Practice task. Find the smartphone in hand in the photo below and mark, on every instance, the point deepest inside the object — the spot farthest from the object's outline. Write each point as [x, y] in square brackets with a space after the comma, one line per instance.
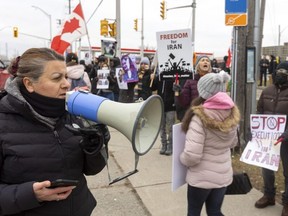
[63, 183]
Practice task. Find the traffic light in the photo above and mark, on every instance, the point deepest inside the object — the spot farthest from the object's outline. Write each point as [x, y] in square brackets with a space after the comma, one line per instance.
[113, 31]
[104, 27]
[136, 24]
[163, 10]
[15, 32]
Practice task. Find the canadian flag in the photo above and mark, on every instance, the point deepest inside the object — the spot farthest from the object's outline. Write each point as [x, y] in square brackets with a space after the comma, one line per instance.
[73, 29]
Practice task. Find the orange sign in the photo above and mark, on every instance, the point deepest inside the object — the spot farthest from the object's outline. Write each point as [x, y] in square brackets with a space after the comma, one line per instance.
[236, 19]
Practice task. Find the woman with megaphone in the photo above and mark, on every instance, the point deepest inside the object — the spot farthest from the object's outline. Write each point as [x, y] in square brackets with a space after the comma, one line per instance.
[45, 151]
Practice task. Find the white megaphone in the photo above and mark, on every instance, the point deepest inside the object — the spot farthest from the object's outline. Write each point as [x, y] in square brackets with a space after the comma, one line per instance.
[140, 122]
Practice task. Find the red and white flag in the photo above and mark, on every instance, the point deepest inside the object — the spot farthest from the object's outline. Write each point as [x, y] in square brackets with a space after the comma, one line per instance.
[73, 29]
[229, 59]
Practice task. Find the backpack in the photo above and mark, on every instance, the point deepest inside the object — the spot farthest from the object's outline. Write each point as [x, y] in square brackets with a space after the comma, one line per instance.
[76, 83]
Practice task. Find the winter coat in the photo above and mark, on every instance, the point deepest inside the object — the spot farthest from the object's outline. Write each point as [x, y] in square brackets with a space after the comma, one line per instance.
[127, 95]
[35, 148]
[77, 72]
[212, 132]
[188, 93]
[165, 91]
[273, 100]
[142, 88]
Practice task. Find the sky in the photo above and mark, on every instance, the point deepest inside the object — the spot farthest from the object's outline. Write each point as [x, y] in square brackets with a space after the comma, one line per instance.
[211, 33]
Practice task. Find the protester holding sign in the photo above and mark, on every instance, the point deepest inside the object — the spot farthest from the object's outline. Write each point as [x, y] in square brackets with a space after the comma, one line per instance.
[274, 100]
[210, 125]
[189, 90]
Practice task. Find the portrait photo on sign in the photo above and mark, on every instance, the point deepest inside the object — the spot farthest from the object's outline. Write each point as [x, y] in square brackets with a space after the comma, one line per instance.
[108, 48]
[103, 82]
[129, 66]
[120, 79]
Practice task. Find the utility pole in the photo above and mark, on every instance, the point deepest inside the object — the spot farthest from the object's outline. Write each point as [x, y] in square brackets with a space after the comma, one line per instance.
[142, 32]
[118, 28]
[251, 36]
[193, 26]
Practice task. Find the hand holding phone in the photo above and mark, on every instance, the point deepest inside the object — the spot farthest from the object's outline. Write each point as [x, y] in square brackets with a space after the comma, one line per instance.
[63, 183]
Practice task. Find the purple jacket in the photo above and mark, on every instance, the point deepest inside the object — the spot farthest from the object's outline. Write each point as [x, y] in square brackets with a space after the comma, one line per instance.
[189, 92]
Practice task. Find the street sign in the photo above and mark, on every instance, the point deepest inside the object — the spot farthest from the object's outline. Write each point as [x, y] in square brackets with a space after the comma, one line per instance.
[236, 19]
[235, 6]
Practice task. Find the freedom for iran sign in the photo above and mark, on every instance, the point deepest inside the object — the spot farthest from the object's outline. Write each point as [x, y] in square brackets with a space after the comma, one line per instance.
[174, 52]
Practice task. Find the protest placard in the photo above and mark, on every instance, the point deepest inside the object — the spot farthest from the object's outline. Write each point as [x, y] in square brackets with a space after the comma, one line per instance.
[261, 150]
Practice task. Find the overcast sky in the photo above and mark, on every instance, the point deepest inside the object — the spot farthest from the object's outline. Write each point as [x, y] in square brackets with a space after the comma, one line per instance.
[211, 34]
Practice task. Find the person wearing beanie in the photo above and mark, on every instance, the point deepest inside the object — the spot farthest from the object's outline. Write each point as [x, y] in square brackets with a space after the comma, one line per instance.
[212, 83]
[145, 61]
[76, 75]
[142, 88]
[210, 125]
[274, 101]
[187, 89]
[71, 57]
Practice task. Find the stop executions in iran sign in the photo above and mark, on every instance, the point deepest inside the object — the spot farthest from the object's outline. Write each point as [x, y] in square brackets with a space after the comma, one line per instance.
[174, 50]
[261, 151]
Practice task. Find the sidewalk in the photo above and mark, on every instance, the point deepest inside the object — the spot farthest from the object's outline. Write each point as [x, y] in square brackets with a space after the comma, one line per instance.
[153, 185]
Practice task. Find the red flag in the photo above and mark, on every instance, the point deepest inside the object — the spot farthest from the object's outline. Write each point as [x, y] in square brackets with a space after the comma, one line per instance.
[228, 63]
[73, 29]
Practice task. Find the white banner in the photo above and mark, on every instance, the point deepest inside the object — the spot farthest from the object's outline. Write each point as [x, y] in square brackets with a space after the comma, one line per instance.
[261, 150]
[174, 51]
[178, 169]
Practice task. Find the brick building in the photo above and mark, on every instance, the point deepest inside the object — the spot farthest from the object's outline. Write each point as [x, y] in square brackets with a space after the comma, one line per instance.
[281, 51]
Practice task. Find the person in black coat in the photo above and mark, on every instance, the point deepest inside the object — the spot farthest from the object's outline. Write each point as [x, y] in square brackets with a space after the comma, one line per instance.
[264, 65]
[165, 91]
[38, 143]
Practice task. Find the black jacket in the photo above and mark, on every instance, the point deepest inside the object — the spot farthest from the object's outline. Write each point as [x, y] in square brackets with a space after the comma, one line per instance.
[31, 151]
[165, 91]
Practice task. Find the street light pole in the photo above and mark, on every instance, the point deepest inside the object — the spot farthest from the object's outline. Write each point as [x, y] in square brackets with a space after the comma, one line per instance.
[193, 25]
[142, 32]
[279, 34]
[49, 16]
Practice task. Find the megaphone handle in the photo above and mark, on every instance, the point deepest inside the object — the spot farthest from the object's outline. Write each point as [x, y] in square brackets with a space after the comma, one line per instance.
[136, 161]
[127, 174]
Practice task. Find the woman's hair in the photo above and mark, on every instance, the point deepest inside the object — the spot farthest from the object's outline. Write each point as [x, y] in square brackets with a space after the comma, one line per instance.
[197, 67]
[33, 61]
[13, 66]
[189, 113]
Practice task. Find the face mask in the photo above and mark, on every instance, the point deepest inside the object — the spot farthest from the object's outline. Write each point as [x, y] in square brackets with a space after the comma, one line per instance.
[104, 68]
[280, 79]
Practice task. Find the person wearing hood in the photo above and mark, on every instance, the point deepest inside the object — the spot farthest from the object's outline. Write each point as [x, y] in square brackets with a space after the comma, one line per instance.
[76, 71]
[187, 89]
[210, 125]
[142, 88]
[274, 101]
[41, 142]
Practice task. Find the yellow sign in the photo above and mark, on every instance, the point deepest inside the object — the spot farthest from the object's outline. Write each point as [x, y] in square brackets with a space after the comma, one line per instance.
[236, 19]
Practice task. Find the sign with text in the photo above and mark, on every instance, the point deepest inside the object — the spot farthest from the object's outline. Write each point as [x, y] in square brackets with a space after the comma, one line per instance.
[174, 50]
[261, 151]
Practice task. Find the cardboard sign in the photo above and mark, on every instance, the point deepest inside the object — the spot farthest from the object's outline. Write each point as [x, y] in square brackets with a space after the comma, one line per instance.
[261, 151]
[174, 50]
